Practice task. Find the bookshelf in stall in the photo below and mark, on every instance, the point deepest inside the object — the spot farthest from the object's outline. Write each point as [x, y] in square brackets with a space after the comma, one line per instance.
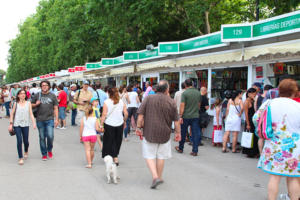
[228, 79]
[286, 70]
[173, 80]
[202, 78]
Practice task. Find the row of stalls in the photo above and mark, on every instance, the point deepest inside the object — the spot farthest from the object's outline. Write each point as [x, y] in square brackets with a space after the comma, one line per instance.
[228, 68]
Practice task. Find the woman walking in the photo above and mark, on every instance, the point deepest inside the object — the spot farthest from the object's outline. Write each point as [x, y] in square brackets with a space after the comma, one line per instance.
[19, 121]
[133, 102]
[7, 100]
[113, 117]
[281, 154]
[249, 126]
[233, 120]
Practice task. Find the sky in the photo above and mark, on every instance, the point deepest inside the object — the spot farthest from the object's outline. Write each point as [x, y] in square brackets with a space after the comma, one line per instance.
[12, 13]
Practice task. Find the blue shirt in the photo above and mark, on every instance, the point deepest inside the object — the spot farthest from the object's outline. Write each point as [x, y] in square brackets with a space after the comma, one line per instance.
[151, 92]
[102, 97]
[66, 90]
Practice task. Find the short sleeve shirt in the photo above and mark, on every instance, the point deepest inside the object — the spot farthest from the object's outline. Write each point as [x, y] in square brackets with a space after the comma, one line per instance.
[63, 99]
[84, 96]
[191, 98]
[159, 111]
[45, 111]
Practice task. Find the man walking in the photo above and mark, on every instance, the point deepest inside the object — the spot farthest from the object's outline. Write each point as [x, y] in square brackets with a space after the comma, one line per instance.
[189, 116]
[47, 109]
[100, 95]
[62, 99]
[82, 98]
[156, 114]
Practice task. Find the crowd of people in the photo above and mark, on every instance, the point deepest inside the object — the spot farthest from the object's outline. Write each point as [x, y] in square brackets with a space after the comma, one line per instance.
[106, 116]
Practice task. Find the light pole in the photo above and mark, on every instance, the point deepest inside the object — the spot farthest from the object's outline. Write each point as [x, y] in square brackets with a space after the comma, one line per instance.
[257, 10]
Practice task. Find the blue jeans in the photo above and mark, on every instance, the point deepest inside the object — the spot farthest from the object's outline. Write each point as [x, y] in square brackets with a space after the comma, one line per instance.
[131, 112]
[73, 117]
[196, 133]
[6, 104]
[46, 131]
[22, 136]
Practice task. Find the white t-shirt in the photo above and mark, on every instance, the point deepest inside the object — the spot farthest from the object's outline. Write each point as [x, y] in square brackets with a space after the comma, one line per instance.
[132, 97]
[114, 115]
[6, 99]
[89, 126]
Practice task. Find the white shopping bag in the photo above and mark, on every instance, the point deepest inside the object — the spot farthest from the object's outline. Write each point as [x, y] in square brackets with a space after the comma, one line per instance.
[247, 140]
[218, 136]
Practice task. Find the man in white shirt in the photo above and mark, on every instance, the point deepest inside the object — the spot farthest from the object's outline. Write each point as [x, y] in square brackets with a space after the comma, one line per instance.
[34, 90]
[177, 96]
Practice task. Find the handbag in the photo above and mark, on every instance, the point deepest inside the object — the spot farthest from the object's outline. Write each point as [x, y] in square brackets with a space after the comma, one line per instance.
[203, 120]
[247, 140]
[218, 136]
[12, 132]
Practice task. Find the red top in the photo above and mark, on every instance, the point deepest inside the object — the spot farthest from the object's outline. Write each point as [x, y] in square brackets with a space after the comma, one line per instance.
[297, 99]
[63, 99]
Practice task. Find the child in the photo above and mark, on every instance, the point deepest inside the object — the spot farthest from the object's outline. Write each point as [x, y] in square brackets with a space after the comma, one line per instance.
[217, 119]
[88, 134]
[96, 113]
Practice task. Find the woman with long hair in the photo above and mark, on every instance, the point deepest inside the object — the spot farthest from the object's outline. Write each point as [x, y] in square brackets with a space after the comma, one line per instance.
[280, 156]
[233, 120]
[113, 121]
[20, 121]
[249, 126]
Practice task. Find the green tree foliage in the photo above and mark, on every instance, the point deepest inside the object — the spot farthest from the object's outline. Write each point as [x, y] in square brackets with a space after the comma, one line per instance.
[63, 34]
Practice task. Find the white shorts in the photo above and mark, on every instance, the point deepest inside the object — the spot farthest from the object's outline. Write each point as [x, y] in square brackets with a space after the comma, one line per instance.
[156, 151]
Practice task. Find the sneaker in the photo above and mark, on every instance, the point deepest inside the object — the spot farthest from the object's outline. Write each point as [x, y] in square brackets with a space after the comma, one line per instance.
[50, 155]
[63, 128]
[44, 158]
[58, 127]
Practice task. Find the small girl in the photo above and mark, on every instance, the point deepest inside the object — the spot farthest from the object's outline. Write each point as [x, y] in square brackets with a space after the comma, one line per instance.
[217, 119]
[96, 113]
[88, 134]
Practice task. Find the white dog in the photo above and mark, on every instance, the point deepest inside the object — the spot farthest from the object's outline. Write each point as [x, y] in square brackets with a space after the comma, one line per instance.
[111, 170]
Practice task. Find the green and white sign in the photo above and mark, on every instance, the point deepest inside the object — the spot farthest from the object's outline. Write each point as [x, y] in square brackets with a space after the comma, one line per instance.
[236, 32]
[203, 42]
[283, 24]
[131, 56]
[92, 65]
[118, 60]
[107, 61]
[146, 54]
[168, 47]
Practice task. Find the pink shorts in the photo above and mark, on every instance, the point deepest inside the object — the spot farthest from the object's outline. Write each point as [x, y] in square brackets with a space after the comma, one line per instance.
[91, 138]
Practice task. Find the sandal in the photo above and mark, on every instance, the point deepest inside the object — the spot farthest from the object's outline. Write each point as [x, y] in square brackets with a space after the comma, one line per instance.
[236, 151]
[25, 156]
[21, 161]
[89, 166]
[225, 151]
[178, 150]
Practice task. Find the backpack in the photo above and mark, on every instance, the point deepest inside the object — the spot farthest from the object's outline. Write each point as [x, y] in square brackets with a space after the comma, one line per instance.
[35, 109]
[262, 120]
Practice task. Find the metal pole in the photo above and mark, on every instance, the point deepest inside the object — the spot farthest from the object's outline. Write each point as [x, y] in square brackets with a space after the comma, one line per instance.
[257, 10]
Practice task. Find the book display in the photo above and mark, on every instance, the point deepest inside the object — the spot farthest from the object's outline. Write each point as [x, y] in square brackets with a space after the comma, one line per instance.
[228, 79]
[173, 79]
[134, 79]
[285, 70]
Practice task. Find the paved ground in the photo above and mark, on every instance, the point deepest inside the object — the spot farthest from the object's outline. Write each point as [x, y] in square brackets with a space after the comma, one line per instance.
[211, 175]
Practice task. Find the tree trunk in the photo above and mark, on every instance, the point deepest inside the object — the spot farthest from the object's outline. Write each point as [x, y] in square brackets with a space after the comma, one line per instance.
[207, 22]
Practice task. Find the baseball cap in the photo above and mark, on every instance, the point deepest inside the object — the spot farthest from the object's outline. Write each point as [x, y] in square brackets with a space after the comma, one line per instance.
[93, 99]
[73, 85]
[86, 83]
[257, 84]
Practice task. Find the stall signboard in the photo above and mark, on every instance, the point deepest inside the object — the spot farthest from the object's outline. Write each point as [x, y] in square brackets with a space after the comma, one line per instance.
[131, 56]
[47, 75]
[92, 65]
[107, 61]
[71, 70]
[236, 32]
[80, 68]
[168, 47]
[52, 75]
[200, 43]
[283, 24]
[118, 60]
[259, 72]
[146, 54]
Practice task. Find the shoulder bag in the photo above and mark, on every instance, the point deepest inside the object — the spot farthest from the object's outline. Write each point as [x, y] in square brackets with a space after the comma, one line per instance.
[12, 132]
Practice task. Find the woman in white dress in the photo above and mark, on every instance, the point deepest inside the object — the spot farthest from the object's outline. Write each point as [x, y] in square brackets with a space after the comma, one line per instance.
[233, 120]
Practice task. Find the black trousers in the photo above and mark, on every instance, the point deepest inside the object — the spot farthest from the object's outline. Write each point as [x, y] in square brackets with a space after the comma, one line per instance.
[112, 140]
